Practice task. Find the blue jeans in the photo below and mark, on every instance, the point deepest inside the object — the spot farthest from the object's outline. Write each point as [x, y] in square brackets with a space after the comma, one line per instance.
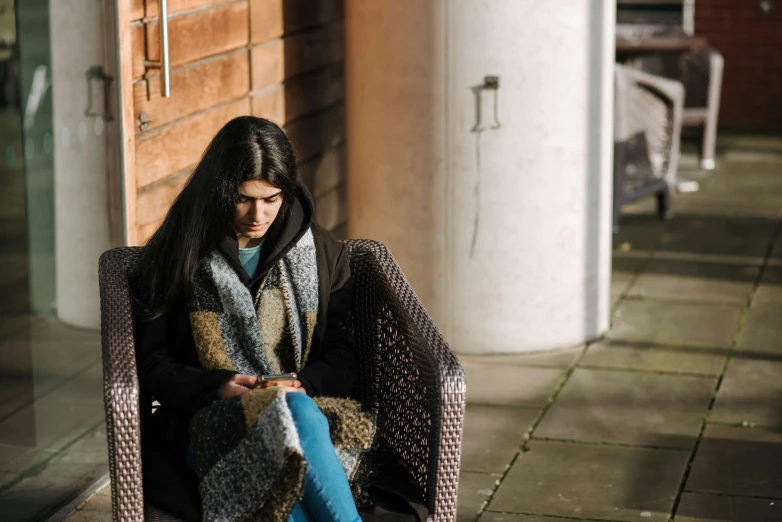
[327, 495]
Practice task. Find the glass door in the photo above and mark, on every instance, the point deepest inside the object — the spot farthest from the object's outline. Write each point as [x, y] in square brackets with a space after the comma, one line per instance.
[59, 182]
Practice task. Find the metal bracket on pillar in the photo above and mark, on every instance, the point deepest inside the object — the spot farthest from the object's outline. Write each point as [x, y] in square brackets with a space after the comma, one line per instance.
[490, 83]
[96, 72]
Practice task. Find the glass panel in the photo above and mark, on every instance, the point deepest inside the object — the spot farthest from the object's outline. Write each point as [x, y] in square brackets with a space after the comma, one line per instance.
[57, 140]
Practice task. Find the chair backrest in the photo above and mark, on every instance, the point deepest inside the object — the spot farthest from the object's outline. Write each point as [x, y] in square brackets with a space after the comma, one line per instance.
[407, 374]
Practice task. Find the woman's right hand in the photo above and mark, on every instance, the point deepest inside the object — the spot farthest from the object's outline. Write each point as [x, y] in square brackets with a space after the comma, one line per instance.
[237, 385]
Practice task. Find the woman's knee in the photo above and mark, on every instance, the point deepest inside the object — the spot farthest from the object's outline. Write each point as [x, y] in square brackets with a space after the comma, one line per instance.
[304, 409]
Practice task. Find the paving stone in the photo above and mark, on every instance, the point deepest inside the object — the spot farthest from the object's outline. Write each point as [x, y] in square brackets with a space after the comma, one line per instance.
[510, 517]
[618, 287]
[639, 228]
[15, 324]
[725, 206]
[669, 322]
[774, 261]
[650, 357]
[474, 488]
[718, 234]
[15, 459]
[592, 481]
[738, 461]
[690, 281]
[73, 408]
[628, 407]
[761, 331]
[492, 384]
[713, 244]
[492, 434]
[623, 270]
[88, 516]
[694, 257]
[42, 491]
[561, 358]
[695, 507]
[100, 501]
[750, 392]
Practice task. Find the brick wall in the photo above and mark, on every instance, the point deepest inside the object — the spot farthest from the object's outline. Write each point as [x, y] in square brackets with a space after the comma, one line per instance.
[278, 59]
[751, 42]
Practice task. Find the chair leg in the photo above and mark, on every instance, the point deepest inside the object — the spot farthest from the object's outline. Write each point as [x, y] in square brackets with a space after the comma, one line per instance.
[664, 207]
[709, 143]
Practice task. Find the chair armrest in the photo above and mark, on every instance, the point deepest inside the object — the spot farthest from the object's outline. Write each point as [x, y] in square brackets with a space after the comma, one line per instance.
[654, 105]
[418, 385]
[120, 385]
[672, 90]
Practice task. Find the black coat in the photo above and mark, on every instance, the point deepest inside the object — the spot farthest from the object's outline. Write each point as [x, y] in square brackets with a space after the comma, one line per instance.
[169, 370]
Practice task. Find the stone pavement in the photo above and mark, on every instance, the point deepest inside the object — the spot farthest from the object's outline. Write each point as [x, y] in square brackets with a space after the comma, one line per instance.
[677, 413]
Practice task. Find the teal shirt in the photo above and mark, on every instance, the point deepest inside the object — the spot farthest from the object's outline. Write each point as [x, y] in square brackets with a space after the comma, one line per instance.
[249, 258]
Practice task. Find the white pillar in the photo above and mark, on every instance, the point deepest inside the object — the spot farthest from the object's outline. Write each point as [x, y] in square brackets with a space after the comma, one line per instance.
[503, 232]
[81, 159]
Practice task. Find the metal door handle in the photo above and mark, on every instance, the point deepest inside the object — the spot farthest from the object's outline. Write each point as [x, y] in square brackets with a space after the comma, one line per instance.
[163, 64]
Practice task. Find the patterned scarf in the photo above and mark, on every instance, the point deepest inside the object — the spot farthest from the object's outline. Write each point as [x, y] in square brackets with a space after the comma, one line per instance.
[248, 456]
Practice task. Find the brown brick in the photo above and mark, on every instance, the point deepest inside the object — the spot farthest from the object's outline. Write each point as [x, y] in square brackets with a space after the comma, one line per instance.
[331, 208]
[314, 91]
[752, 77]
[270, 19]
[266, 20]
[325, 172]
[180, 145]
[301, 95]
[268, 64]
[136, 9]
[176, 6]
[193, 89]
[201, 34]
[144, 232]
[314, 134]
[153, 204]
[138, 45]
[270, 104]
[280, 59]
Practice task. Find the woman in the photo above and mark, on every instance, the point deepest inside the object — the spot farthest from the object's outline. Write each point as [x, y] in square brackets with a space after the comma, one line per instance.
[238, 282]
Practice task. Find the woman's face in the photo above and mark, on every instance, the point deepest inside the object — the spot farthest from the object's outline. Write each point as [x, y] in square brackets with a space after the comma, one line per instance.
[259, 203]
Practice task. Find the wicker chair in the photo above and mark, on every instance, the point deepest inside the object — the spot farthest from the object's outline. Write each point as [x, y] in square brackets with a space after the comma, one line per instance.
[647, 132]
[408, 374]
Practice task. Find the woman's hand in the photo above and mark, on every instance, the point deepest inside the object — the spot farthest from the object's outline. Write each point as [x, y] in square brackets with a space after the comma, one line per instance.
[290, 386]
[238, 385]
[297, 387]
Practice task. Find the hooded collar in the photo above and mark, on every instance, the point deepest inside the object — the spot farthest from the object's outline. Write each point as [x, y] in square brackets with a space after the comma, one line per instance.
[289, 226]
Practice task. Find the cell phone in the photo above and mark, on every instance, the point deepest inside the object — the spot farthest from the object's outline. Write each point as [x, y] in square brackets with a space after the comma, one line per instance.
[277, 380]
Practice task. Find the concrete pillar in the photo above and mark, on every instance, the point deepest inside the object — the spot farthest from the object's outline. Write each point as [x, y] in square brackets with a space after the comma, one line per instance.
[496, 203]
[81, 158]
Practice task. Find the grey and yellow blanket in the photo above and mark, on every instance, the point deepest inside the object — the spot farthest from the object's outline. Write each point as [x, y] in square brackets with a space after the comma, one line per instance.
[248, 457]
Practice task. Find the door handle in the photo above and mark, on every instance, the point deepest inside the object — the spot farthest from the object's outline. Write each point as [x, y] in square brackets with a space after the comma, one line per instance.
[163, 64]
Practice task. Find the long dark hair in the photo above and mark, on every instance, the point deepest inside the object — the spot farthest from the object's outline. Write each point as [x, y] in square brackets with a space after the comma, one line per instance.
[246, 148]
